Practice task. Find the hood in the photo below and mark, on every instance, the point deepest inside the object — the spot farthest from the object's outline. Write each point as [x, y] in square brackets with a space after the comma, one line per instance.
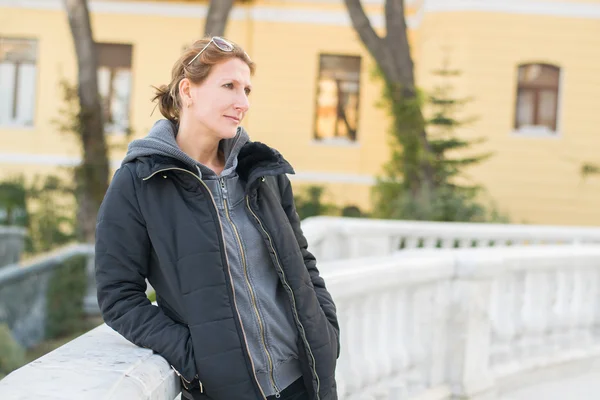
[161, 142]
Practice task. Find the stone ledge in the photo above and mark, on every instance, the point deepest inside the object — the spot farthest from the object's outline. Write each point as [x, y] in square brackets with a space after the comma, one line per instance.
[100, 364]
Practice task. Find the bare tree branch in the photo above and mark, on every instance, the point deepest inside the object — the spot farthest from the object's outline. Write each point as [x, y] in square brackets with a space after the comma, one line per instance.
[397, 39]
[392, 55]
[375, 45]
[216, 20]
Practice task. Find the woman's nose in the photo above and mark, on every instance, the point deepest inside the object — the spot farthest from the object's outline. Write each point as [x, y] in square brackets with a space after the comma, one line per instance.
[242, 103]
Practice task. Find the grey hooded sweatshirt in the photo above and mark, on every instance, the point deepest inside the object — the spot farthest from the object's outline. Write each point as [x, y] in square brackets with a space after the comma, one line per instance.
[263, 305]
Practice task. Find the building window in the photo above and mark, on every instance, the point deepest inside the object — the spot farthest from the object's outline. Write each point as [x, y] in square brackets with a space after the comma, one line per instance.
[17, 81]
[537, 97]
[338, 92]
[114, 85]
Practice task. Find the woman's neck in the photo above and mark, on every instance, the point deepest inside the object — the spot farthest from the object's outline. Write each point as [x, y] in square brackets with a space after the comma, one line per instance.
[203, 148]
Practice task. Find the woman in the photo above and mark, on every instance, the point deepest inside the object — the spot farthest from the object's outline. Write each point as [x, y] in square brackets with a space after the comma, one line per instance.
[208, 217]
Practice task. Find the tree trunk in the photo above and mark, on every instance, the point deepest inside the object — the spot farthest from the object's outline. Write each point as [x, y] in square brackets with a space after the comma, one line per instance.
[392, 55]
[93, 173]
[216, 20]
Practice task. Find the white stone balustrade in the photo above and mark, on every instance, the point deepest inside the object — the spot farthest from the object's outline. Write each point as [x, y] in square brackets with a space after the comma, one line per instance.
[429, 324]
[476, 323]
[24, 288]
[392, 315]
[334, 238]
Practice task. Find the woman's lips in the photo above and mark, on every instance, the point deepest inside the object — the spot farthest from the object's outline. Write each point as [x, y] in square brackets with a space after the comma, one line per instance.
[236, 120]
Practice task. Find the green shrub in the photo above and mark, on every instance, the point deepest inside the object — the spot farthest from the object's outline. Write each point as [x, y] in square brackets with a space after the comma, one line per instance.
[12, 355]
[66, 290]
[310, 202]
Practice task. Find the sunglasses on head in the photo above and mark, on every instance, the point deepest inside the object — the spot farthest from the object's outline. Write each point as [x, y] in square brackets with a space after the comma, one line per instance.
[221, 44]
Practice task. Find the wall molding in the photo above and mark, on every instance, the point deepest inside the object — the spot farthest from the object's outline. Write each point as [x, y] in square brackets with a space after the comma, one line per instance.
[52, 160]
[184, 10]
[523, 7]
[324, 17]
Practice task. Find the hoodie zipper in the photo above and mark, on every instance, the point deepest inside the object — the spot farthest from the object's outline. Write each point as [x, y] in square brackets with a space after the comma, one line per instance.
[249, 285]
[290, 291]
[227, 262]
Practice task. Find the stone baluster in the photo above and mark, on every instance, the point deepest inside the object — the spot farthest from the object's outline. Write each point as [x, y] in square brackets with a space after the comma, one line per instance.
[574, 308]
[553, 321]
[411, 242]
[90, 301]
[465, 243]
[439, 340]
[518, 294]
[561, 309]
[430, 242]
[549, 297]
[503, 319]
[448, 242]
[469, 332]
[588, 304]
[482, 242]
[580, 298]
[343, 368]
[595, 308]
[371, 325]
[384, 337]
[350, 362]
[395, 242]
[534, 311]
[420, 338]
[400, 316]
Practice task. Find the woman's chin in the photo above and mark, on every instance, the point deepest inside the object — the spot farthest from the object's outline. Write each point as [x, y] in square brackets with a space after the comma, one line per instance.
[228, 133]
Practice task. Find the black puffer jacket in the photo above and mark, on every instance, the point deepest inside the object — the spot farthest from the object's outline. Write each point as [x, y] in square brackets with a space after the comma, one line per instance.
[158, 221]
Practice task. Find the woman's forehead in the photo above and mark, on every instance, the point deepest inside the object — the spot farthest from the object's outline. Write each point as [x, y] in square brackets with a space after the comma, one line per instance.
[232, 69]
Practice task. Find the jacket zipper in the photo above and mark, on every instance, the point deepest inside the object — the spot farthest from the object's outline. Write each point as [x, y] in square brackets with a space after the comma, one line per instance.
[291, 292]
[227, 261]
[186, 381]
[252, 295]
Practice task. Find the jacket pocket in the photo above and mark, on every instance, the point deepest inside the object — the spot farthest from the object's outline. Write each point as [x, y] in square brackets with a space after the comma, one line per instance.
[170, 312]
[193, 394]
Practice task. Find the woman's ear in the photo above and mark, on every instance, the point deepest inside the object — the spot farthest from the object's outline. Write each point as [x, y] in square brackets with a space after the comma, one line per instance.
[185, 92]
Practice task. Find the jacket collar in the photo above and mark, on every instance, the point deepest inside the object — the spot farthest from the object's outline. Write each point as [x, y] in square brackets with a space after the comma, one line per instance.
[255, 159]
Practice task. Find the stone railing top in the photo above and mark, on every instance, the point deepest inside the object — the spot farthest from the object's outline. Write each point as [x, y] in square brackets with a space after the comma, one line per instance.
[98, 365]
[414, 267]
[335, 238]
[13, 230]
[351, 277]
[318, 227]
[47, 260]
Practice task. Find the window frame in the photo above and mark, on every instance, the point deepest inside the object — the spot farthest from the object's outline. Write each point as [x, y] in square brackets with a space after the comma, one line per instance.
[113, 69]
[336, 141]
[538, 130]
[14, 123]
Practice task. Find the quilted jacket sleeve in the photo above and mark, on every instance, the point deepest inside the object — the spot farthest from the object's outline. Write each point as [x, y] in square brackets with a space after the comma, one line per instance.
[122, 254]
[325, 299]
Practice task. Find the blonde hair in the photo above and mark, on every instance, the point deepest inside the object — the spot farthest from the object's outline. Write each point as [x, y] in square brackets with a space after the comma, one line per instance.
[167, 96]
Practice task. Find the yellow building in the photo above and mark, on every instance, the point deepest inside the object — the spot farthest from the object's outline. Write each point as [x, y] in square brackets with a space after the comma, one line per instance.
[530, 65]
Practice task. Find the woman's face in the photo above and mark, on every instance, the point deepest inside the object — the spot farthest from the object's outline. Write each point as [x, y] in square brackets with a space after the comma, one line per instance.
[219, 104]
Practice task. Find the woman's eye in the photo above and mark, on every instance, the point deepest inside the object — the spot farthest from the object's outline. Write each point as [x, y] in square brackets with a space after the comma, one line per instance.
[247, 91]
[228, 85]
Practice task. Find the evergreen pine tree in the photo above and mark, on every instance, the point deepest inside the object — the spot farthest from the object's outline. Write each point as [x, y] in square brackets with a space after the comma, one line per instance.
[449, 199]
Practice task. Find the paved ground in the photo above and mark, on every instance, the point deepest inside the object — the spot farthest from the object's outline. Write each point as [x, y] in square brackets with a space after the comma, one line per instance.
[583, 387]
